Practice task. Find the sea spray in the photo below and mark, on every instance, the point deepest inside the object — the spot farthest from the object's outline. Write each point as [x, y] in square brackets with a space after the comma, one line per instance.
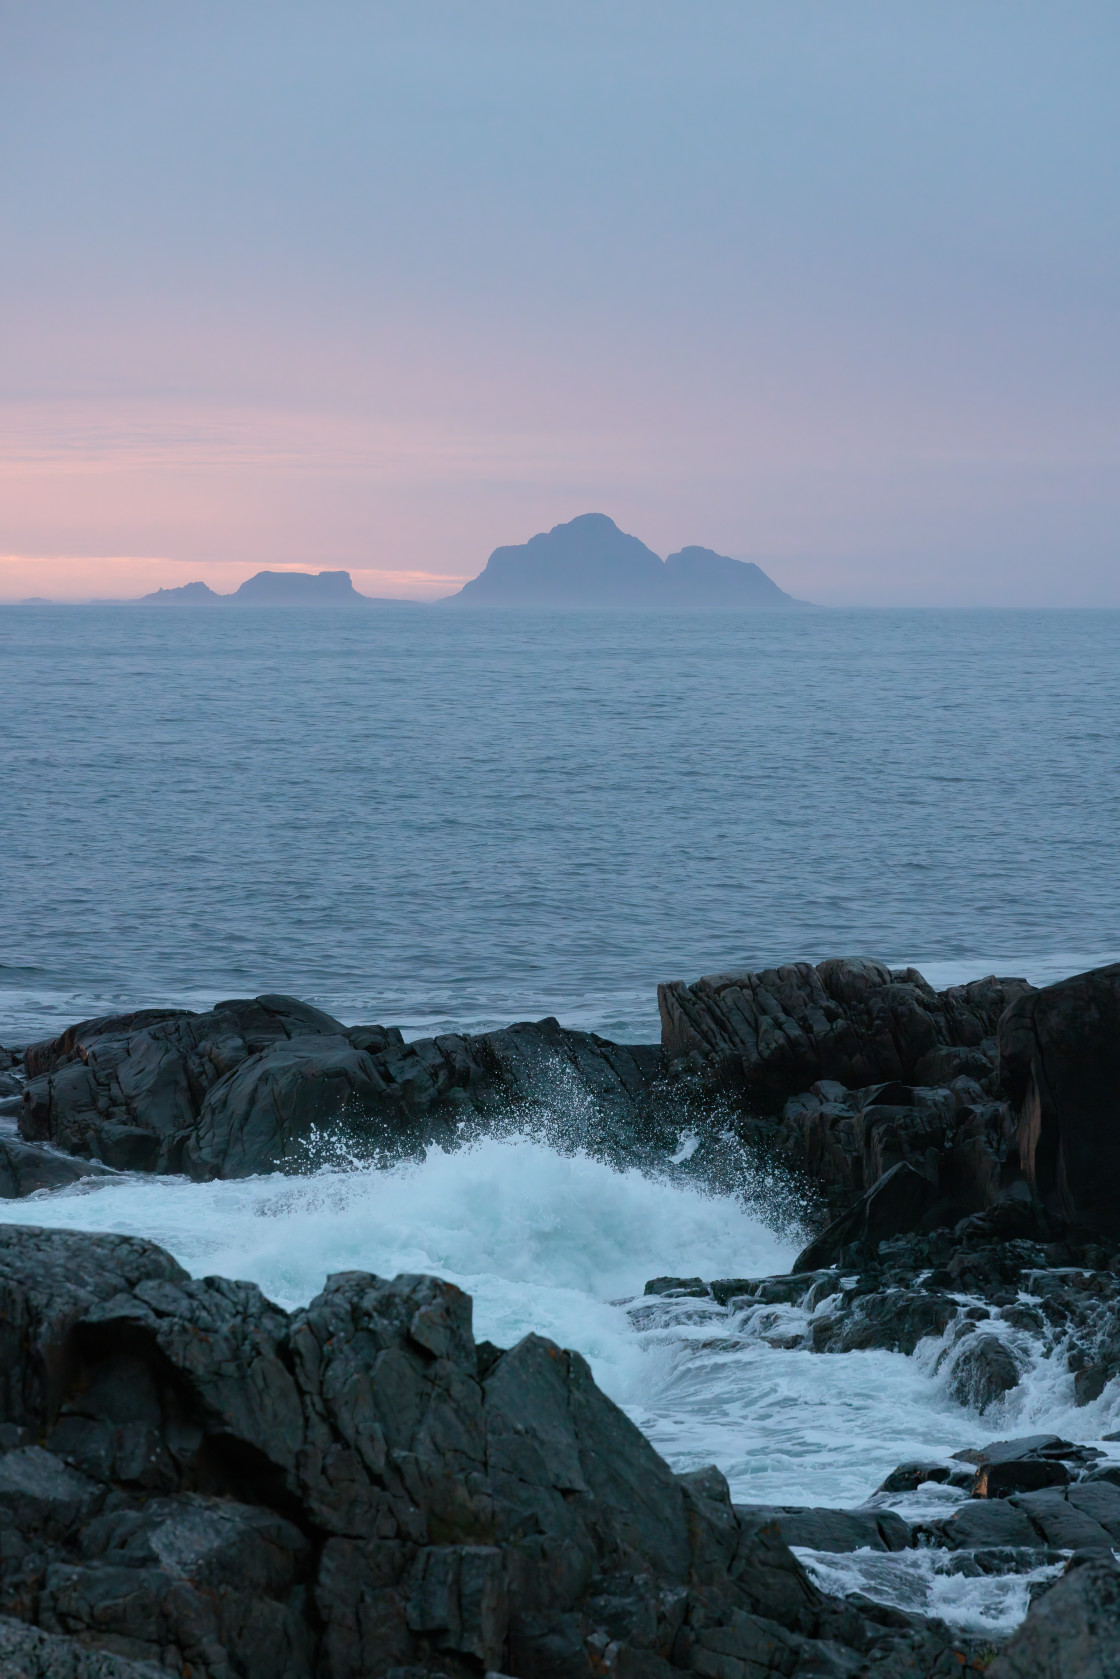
[557, 1242]
[544, 1240]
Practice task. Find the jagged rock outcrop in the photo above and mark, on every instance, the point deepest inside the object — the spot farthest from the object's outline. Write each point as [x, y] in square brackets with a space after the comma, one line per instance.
[191, 1477]
[780, 1058]
[779, 1031]
[252, 1084]
[958, 1137]
[1059, 1057]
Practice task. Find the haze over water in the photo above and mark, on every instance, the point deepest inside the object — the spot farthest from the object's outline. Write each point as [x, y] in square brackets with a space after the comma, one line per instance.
[439, 819]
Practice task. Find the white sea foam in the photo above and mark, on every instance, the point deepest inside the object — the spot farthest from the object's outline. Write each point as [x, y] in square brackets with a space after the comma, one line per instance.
[562, 1244]
[924, 1582]
[546, 1241]
[542, 1240]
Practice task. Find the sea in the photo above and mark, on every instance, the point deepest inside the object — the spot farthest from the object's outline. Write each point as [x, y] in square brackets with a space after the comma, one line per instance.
[441, 819]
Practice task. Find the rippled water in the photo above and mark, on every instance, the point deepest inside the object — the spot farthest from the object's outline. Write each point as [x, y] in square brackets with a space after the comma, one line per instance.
[461, 819]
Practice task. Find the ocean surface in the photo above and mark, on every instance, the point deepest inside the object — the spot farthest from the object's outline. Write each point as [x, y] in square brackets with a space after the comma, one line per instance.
[435, 820]
[445, 818]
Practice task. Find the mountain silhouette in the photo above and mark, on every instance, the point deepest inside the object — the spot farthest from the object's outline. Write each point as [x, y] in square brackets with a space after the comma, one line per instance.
[589, 562]
[298, 588]
[187, 594]
[271, 588]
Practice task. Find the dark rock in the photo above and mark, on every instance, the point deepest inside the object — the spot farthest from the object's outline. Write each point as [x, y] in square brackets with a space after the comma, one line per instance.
[1099, 1500]
[1050, 1447]
[25, 1168]
[836, 1530]
[982, 1372]
[768, 1291]
[892, 1322]
[1013, 1218]
[780, 1030]
[984, 1525]
[908, 1477]
[999, 1480]
[676, 1285]
[192, 1477]
[1059, 1056]
[891, 1207]
[846, 1140]
[1023, 1317]
[1062, 1524]
[1073, 1631]
[29, 1653]
[258, 1085]
[1091, 1380]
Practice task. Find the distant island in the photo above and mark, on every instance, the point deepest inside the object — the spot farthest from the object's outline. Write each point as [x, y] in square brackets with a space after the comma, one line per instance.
[271, 588]
[586, 563]
[589, 562]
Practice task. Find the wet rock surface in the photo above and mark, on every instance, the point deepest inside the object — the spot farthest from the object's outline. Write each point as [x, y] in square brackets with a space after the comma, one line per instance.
[1073, 1632]
[193, 1479]
[256, 1085]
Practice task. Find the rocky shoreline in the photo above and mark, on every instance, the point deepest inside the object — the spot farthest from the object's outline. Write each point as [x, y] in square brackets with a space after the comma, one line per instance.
[194, 1481]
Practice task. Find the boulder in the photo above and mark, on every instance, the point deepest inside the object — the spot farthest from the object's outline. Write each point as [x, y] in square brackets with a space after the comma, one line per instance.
[777, 1031]
[192, 1478]
[1000, 1480]
[1063, 1525]
[908, 1477]
[1099, 1500]
[893, 1206]
[271, 1083]
[1059, 1060]
[837, 1530]
[983, 1370]
[26, 1167]
[984, 1525]
[1072, 1631]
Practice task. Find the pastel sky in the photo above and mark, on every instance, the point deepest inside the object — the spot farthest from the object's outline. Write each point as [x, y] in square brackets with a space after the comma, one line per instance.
[829, 284]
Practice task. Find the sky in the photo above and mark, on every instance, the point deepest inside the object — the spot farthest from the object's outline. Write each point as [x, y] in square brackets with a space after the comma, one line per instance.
[833, 285]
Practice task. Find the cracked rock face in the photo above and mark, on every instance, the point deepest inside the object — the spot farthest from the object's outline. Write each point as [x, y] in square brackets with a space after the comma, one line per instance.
[195, 1481]
[780, 1030]
[1059, 1053]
